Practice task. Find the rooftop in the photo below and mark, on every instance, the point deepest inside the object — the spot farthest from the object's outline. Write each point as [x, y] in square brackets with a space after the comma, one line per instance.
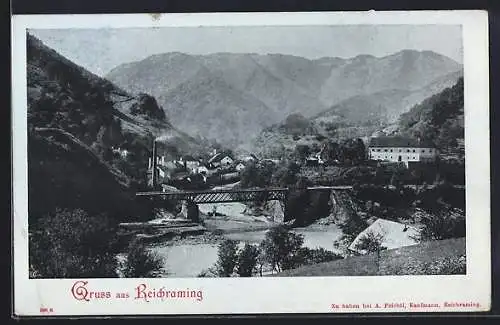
[394, 234]
[398, 141]
[218, 157]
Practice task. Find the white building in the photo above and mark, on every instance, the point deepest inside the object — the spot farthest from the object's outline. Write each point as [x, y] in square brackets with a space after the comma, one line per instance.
[201, 170]
[250, 158]
[188, 162]
[122, 152]
[221, 160]
[400, 149]
[240, 166]
[161, 172]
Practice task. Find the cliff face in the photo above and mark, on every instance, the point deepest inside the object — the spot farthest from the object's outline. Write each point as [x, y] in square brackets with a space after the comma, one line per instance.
[342, 207]
[276, 210]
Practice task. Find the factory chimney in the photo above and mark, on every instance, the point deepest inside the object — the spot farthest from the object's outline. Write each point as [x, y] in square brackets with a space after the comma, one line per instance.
[155, 163]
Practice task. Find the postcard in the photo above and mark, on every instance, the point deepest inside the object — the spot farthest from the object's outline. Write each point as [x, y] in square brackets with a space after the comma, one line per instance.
[251, 163]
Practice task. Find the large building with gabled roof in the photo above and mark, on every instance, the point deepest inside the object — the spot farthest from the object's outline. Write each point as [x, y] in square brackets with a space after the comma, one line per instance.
[401, 149]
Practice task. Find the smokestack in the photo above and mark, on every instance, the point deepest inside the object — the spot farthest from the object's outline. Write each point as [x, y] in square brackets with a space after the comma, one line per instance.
[155, 162]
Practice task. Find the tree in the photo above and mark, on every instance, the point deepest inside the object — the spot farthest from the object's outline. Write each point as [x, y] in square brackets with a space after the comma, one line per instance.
[352, 150]
[247, 260]
[372, 243]
[140, 262]
[227, 258]
[280, 246]
[302, 151]
[442, 225]
[261, 259]
[256, 175]
[332, 151]
[286, 176]
[73, 244]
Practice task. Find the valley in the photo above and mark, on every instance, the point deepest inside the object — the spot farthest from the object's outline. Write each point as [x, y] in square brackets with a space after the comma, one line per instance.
[177, 122]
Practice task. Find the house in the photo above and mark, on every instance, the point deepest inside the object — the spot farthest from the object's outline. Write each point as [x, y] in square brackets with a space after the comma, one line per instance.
[171, 165]
[162, 171]
[160, 160]
[240, 166]
[221, 160]
[401, 149]
[188, 162]
[312, 161]
[250, 158]
[272, 161]
[168, 188]
[201, 169]
[392, 235]
[122, 152]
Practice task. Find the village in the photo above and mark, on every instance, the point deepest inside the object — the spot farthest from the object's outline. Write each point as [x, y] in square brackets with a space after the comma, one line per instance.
[229, 156]
[224, 167]
[223, 170]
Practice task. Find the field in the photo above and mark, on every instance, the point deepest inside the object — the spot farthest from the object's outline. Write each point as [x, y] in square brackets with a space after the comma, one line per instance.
[407, 260]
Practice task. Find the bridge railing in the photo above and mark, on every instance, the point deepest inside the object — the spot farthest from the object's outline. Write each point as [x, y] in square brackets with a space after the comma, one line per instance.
[254, 190]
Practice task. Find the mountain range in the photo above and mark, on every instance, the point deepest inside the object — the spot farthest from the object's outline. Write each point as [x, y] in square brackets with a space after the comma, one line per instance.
[232, 97]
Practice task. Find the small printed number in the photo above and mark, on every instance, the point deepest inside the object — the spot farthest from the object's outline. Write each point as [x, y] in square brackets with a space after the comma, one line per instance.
[46, 310]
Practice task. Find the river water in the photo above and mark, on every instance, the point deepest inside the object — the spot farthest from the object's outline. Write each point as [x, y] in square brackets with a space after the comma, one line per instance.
[190, 259]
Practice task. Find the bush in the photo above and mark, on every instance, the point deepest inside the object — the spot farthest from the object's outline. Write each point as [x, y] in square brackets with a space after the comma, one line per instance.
[446, 266]
[227, 258]
[443, 266]
[141, 263]
[371, 243]
[285, 176]
[208, 273]
[247, 260]
[320, 255]
[72, 244]
[308, 256]
[280, 246]
[443, 225]
[256, 175]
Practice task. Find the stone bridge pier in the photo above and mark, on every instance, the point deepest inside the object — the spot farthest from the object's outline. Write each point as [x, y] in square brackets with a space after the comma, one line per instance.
[190, 211]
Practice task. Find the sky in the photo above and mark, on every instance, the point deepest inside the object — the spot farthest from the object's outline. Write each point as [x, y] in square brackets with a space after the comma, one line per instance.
[100, 50]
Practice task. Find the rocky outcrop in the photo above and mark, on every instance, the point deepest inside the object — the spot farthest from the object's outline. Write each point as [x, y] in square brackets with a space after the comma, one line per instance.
[343, 207]
[275, 210]
[148, 106]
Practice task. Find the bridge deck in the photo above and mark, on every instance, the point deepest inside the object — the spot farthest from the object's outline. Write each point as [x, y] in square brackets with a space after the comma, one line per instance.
[232, 195]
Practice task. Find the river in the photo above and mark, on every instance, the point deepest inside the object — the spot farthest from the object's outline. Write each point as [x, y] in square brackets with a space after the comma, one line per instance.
[189, 259]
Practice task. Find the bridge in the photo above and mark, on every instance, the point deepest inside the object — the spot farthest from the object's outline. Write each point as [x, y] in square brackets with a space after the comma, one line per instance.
[193, 198]
[221, 196]
[232, 195]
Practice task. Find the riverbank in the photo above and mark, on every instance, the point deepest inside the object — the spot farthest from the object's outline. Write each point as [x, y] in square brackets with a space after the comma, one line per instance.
[190, 255]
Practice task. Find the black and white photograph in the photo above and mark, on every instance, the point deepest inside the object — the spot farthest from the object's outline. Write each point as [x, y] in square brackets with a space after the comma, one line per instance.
[263, 151]
[236, 151]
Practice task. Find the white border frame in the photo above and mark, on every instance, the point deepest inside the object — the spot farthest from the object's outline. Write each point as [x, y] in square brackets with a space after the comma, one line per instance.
[272, 295]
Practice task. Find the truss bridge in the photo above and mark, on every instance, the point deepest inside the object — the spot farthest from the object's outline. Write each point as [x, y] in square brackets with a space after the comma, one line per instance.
[221, 196]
